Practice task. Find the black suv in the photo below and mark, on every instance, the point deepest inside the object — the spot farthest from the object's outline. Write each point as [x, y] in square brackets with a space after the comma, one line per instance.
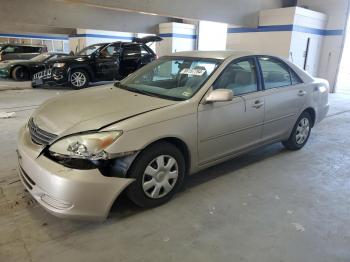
[99, 62]
[20, 51]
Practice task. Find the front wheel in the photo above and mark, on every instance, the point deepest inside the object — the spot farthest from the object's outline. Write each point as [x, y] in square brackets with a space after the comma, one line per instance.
[300, 134]
[20, 73]
[79, 79]
[158, 172]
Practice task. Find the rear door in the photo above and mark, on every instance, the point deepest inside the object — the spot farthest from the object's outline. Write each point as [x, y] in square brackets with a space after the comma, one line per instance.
[146, 55]
[130, 59]
[284, 97]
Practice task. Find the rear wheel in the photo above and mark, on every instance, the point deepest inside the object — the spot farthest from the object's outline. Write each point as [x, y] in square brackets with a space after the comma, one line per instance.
[158, 172]
[20, 73]
[79, 79]
[300, 134]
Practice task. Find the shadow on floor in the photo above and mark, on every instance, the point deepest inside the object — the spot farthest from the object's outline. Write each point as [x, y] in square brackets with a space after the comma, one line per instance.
[123, 207]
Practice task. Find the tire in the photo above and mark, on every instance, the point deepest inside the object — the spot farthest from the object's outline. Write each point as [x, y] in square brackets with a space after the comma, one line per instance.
[20, 73]
[300, 134]
[148, 190]
[79, 79]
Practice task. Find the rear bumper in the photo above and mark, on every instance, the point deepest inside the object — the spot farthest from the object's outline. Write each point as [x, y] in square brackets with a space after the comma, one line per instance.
[62, 191]
[322, 113]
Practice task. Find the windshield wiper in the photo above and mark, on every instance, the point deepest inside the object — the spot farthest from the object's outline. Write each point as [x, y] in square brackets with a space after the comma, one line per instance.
[143, 92]
[135, 90]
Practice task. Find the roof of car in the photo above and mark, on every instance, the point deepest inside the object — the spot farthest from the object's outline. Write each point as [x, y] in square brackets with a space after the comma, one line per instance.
[213, 54]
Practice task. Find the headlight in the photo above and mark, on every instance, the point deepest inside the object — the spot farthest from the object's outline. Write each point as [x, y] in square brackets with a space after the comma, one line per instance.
[89, 146]
[59, 64]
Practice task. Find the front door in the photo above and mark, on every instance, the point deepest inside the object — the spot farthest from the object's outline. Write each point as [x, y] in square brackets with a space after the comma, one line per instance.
[227, 128]
[107, 63]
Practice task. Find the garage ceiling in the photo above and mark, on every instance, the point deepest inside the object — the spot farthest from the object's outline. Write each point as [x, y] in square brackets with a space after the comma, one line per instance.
[131, 15]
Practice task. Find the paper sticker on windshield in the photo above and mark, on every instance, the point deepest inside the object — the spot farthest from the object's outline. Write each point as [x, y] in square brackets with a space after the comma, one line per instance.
[194, 72]
[186, 94]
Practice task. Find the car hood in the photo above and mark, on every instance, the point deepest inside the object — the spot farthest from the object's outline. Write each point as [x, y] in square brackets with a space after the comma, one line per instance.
[8, 63]
[93, 109]
[69, 59]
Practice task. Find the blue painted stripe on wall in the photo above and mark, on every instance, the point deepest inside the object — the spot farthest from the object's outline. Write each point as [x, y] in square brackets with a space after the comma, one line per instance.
[275, 28]
[35, 36]
[120, 37]
[286, 28]
[178, 36]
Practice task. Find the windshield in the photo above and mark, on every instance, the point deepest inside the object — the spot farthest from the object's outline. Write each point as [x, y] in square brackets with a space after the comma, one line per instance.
[175, 78]
[41, 57]
[89, 50]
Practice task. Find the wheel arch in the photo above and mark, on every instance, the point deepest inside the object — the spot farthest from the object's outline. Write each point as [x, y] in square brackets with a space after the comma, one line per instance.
[82, 67]
[178, 143]
[312, 113]
[19, 65]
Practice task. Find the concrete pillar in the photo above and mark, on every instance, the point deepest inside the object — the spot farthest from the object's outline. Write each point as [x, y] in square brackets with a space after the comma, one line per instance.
[177, 37]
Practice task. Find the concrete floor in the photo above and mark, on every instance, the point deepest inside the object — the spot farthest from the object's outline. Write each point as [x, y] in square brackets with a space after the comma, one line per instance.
[269, 205]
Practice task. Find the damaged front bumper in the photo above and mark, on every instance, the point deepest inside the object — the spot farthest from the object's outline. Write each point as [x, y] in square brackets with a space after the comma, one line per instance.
[51, 76]
[63, 191]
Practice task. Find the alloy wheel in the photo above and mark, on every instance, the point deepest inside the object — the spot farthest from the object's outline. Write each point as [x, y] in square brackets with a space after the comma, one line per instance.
[78, 79]
[302, 131]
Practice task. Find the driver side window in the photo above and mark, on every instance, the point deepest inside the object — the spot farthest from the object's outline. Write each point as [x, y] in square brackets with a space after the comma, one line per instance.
[239, 76]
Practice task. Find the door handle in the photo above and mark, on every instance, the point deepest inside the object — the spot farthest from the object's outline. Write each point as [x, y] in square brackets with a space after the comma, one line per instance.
[258, 104]
[301, 93]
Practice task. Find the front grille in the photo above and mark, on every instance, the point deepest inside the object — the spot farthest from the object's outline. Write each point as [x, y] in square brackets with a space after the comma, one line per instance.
[39, 136]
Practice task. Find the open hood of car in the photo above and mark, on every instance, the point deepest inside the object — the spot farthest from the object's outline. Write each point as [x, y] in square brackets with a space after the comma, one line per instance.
[147, 39]
[92, 109]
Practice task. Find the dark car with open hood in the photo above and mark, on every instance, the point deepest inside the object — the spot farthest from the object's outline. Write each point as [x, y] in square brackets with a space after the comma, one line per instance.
[23, 70]
[98, 62]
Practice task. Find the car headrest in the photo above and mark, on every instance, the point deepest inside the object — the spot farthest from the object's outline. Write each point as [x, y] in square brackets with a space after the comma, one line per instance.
[275, 76]
[243, 78]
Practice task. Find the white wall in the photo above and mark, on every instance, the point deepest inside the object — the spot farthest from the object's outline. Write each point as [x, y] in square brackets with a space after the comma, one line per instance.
[336, 10]
[275, 43]
[285, 32]
[304, 21]
[57, 43]
[177, 37]
[212, 36]
[86, 37]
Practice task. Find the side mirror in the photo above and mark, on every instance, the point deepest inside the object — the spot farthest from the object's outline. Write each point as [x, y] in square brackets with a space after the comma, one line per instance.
[219, 95]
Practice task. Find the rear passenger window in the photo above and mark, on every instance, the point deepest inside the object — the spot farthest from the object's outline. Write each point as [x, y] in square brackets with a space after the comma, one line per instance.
[240, 77]
[276, 73]
[131, 51]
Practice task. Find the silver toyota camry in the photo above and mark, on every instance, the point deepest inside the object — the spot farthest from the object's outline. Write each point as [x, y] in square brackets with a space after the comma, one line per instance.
[175, 116]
